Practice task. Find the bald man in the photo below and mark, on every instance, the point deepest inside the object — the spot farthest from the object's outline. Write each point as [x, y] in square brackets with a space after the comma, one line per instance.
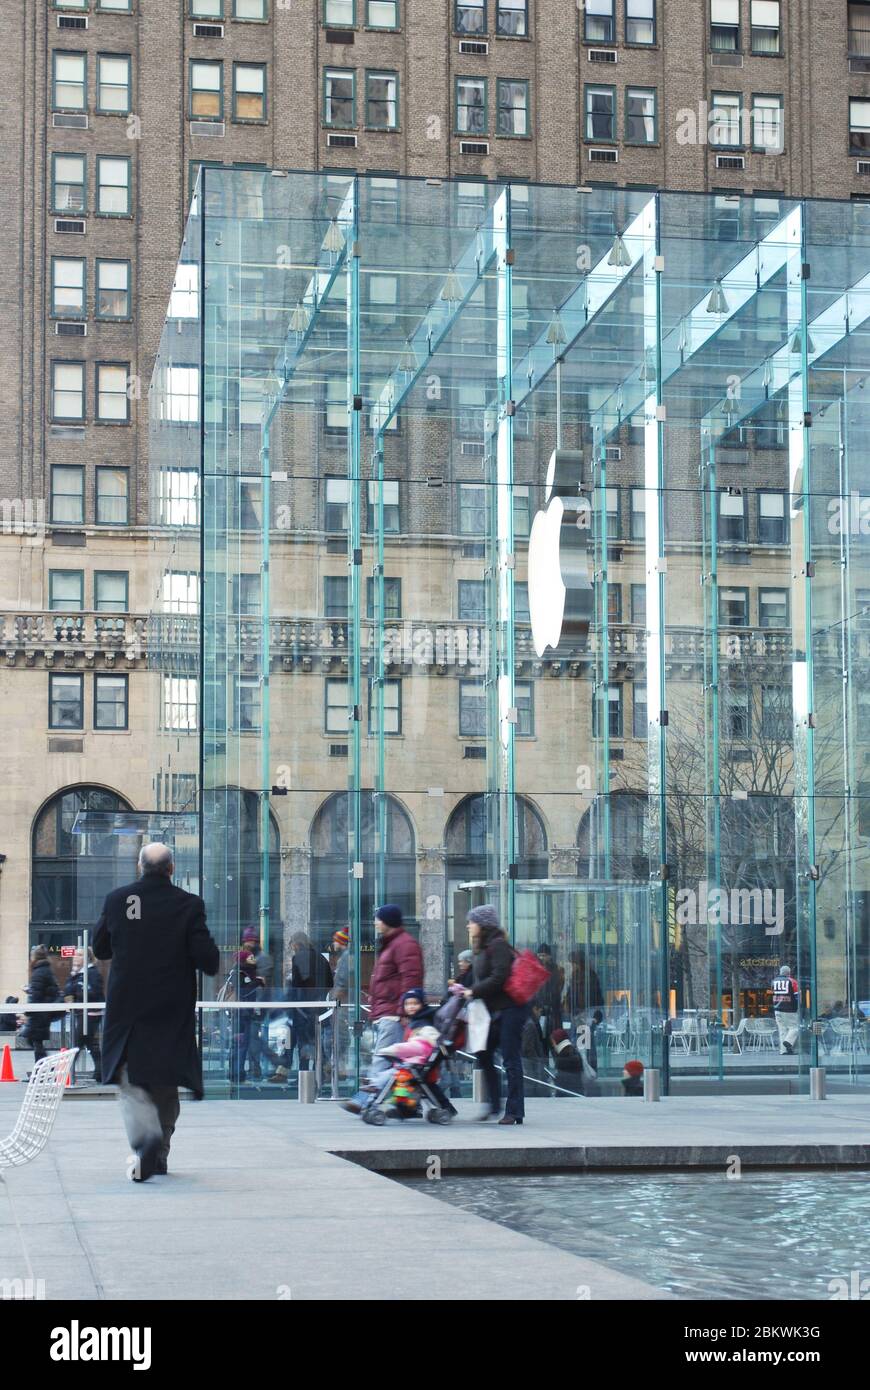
[155, 935]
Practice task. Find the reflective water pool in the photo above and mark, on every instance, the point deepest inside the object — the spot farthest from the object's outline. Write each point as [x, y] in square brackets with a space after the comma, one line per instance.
[699, 1235]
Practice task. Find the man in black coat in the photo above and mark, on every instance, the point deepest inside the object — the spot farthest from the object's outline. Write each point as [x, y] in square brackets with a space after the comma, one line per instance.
[155, 935]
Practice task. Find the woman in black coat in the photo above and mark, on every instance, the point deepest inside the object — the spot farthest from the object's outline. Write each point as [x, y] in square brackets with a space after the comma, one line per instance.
[493, 962]
[86, 1031]
[41, 990]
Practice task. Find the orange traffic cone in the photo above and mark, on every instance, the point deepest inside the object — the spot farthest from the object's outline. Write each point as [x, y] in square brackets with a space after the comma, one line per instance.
[69, 1073]
[6, 1072]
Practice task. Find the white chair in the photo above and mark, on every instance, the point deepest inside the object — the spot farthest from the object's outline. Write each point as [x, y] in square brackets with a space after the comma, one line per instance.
[736, 1034]
[763, 1034]
[682, 1034]
[38, 1109]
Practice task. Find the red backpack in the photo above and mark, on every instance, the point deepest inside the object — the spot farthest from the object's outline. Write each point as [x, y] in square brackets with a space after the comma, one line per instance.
[526, 977]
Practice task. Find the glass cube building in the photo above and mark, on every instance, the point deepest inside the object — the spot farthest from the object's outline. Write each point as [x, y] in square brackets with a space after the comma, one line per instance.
[511, 544]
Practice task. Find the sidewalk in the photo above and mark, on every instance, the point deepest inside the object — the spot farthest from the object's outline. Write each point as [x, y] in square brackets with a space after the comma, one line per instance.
[260, 1206]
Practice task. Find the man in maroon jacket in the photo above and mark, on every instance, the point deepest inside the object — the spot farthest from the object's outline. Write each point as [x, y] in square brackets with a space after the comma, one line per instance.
[398, 968]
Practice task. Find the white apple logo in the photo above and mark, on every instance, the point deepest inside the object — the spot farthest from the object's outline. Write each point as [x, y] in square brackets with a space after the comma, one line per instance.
[546, 589]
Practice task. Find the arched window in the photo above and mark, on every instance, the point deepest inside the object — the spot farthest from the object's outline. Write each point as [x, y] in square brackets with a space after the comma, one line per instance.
[628, 853]
[61, 896]
[329, 861]
[233, 869]
[465, 841]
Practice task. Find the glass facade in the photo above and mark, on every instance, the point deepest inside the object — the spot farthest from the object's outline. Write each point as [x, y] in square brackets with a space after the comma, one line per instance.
[511, 543]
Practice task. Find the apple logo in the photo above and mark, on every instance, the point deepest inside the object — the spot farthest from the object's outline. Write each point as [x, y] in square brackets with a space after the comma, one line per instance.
[560, 589]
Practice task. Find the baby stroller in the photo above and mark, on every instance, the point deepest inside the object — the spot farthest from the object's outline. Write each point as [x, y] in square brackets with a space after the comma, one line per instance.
[414, 1089]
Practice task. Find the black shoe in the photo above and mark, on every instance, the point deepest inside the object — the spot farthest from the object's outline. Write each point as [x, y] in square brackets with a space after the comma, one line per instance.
[509, 1120]
[161, 1170]
[143, 1165]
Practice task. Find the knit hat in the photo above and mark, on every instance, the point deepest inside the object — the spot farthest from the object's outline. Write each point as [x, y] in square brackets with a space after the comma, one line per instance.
[634, 1068]
[418, 994]
[465, 955]
[558, 1035]
[484, 916]
[390, 915]
[250, 934]
[341, 936]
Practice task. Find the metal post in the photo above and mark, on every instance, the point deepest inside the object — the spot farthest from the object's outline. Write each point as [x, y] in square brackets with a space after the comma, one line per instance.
[478, 1086]
[336, 1016]
[307, 1087]
[817, 1083]
[652, 1084]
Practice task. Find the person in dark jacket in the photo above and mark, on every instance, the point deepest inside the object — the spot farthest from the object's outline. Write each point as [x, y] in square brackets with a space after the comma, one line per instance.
[41, 990]
[156, 937]
[632, 1078]
[398, 968]
[310, 978]
[493, 962]
[86, 1031]
[248, 984]
[568, 1062]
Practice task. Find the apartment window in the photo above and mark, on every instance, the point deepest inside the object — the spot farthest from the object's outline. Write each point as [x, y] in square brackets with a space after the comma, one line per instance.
[725, 123]
[638, 514]
[337, 503]
[599, 26]
[470, 18]
[725, 26]
[383, 297]
[246, 702]
[68, 391]
[68, 494]
[471, 116]
[70, 4]
[472, 600]
[640, 21]
[68, 183]
[336, 596]
[110, 702]
[640, 116]
[732, 517]
[859, 30]
[767, 124]
[392, 599]
[472, 709]
[207, 9]
[69, 82]
[339, 97]
[113, 403]
[392, 707]
[382, 14]
[110, 591]
[639, 716]
[765, 18]
[512, 98]
[113, 84]
[773, 608]
[248, 504]
[771, 518]
[336, 711]
[339, 13]
[389, 490]
[524, 703]
[859, 125]
[181, 703]
[251, 9]
[614, 528]
[614, 713]
[206, 91]
[66, 591]
[736, 712]
[67, 287]
[249, 91]
[600, 113]
[181, 404]
[638, 605]
[382, 100]
[614, 603]
[113, 187]
[178, 496]
[472, 510]
[184, 299]
[512, 18]
[335, 405]
[121, 6]
[112, 499]
[66, 705]
[522, 511]
[113, 290]
[734, 607]
[776, 711]
[521, 602]
[180, 591]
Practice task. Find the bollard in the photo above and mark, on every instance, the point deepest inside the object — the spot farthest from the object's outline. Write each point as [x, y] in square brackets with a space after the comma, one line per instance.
[307, 1087]
[478, 1087]
[652, 1084]
[817, 1083]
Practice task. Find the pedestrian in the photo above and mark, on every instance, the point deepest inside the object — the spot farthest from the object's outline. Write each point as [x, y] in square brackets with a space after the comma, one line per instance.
[248, 985]
[549, 997]
[86, 1031]
[398, 968]
[41, 990]
[632, 1078]
[156, 937]
[264, 969]
[493, 962]
[570, 1072]
[310, 978]
[786, 1002]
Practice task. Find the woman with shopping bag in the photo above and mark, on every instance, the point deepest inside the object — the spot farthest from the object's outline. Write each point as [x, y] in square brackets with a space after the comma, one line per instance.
[494, 961]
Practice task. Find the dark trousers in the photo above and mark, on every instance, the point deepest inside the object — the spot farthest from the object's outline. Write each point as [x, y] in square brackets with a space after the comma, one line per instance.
[150, 1115]
[505, 1034]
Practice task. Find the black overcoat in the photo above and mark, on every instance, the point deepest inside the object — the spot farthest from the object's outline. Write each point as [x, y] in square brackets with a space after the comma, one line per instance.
[150, 1000]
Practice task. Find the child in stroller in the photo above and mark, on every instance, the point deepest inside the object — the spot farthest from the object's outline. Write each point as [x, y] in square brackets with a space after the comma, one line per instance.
[412, 1088]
